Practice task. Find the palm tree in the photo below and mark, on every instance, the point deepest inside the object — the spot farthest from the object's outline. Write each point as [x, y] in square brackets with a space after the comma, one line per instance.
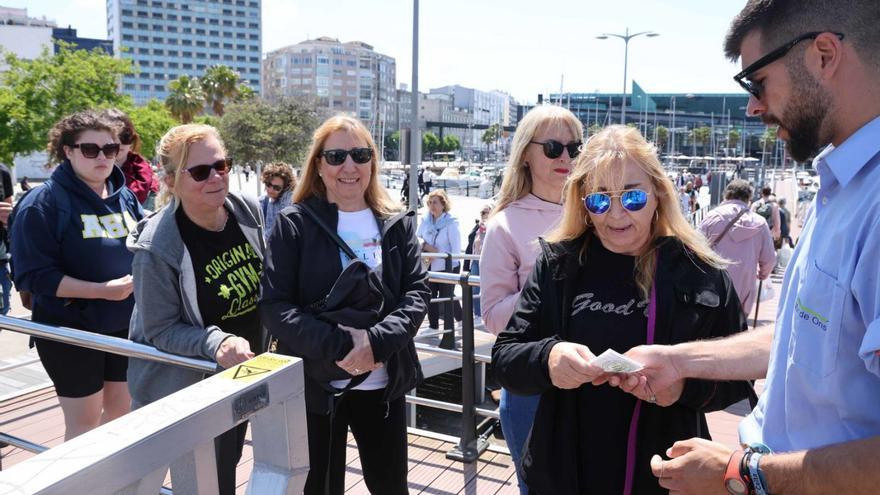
[185, 99]
[220, 84]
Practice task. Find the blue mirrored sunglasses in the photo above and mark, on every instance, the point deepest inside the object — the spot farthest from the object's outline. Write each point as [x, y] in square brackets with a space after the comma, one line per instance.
[631, 199]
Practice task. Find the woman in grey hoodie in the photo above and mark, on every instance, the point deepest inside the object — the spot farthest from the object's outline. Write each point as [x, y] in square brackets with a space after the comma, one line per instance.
[197, 266]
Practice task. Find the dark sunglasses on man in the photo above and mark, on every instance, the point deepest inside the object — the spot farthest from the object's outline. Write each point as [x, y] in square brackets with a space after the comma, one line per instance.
[201, 173]
[755, 88]
[90, 150]
[553, 149]
[337, 157]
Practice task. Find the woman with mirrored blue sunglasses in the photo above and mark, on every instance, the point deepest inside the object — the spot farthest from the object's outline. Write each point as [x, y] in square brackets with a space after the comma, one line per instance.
[622, 269]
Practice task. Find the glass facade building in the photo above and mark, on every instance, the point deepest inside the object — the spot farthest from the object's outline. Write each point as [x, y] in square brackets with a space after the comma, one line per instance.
[170, 38]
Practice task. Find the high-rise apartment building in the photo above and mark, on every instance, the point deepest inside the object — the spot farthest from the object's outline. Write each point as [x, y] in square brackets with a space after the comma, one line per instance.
[170, 38]
[348, 78]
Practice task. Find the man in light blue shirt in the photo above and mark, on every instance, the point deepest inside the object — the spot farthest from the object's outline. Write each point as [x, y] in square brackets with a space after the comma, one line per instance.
[812, 68]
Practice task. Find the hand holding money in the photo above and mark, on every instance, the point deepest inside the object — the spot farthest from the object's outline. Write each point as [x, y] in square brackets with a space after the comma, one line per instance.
[613, 362]
[569, 365]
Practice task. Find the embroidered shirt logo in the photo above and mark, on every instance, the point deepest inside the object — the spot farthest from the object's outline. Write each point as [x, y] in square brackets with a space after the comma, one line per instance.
[587, 302]
[807, 314]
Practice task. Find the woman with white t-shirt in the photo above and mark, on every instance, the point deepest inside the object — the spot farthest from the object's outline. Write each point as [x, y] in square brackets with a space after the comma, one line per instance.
[339, 185]
[440, 234]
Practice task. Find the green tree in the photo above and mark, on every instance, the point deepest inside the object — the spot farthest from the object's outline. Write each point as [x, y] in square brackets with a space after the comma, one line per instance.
[255, 130]
[491, 135]
[701, 135]
[662, 136]
[450, 143]
[244, 93]
[430, 143]
[35, 94]
[185, 99]
[733, 138]
[768, 139]
[594, 129]
[151, 121]
[219, 84]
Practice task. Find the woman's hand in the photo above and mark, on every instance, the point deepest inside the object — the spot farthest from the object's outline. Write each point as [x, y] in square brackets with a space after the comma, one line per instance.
[359, 359]
[569, 366]
[232, 351]
[117, 289]
[428, 248]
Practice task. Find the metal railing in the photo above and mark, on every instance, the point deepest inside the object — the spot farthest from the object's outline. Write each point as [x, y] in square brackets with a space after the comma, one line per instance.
[470, 445]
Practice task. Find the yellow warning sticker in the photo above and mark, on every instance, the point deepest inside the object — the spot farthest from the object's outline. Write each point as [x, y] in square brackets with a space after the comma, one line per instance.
[256, 368]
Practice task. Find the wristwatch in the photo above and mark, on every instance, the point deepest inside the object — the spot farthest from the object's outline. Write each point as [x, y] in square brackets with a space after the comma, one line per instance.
[734, 481]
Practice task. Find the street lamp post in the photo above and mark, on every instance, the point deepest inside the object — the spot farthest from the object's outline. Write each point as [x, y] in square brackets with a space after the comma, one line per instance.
[625, 37]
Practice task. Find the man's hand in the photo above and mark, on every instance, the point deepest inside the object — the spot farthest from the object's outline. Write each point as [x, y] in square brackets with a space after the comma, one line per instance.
[696, 466]
[118, 289]
[568, 365]
[5, 210]
[359, 359]
[659, 381]
[232, 351]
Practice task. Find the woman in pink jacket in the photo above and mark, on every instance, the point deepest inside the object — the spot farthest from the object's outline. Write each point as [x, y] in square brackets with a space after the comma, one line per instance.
[529, 204]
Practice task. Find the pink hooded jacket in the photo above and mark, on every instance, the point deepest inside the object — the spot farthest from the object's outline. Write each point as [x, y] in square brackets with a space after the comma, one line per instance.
[748, 244]
[510, 250]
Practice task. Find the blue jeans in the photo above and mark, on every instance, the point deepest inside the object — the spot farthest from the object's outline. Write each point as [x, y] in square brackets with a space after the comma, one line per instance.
[475, 270]
[6, 285]
[517, 415]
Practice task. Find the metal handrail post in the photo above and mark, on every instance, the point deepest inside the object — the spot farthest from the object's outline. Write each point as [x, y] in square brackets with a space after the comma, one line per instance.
[448, 340]
[469, 445]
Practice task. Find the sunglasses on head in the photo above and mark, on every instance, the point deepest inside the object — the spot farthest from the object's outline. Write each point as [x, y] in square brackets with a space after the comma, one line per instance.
[90, 150]
[337, 157]
[274, 187]
[201, 173]
[755, 88]
[631, 199]
[553, 148]
[126, 137]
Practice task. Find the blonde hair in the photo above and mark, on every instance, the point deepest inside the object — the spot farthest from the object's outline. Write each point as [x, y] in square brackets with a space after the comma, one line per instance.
[517, 178]
[310, 183]
[172, 152]
[444, 198]
[604, 154]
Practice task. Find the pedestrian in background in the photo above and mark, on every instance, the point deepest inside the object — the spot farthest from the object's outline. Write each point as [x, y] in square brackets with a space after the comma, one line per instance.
[279, 178]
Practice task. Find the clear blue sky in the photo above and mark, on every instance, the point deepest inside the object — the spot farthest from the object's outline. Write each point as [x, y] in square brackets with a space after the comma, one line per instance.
[519, 46]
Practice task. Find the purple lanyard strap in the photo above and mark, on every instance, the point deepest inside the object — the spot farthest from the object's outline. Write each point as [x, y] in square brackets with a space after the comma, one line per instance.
[634, 422]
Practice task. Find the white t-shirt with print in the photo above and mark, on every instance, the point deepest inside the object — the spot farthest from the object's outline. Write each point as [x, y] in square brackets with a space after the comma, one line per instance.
[361, 232]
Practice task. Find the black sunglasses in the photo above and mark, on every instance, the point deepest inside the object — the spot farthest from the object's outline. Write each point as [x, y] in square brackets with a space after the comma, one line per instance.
[273, 187]
[337, 157]
[126, 137]
[553, 148]
[91, 150]
[755, 88]
[201, 173]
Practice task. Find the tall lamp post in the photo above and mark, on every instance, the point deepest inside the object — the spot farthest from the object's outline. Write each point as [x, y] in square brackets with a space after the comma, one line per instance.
[625, 37]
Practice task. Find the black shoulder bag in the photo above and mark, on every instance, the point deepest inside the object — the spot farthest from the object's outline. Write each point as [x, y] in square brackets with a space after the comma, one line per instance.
[355, 300]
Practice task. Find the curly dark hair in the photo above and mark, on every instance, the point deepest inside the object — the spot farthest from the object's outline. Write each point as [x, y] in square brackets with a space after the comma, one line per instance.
[68, 129]
[282, 170]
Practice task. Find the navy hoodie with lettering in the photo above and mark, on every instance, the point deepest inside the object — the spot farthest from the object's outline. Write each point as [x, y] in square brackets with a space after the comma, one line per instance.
[91, 248]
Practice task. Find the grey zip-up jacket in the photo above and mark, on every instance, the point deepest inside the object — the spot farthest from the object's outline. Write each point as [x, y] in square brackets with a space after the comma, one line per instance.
[166, 313]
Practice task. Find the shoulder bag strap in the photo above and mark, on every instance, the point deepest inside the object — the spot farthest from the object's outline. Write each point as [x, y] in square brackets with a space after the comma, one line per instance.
[729, 226]
[332, 233]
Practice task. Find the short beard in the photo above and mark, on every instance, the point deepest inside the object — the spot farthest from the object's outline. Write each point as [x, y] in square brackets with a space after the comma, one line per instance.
[806, 114]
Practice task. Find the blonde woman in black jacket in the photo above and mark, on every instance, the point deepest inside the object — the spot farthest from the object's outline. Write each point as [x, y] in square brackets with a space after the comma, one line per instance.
[374, 362]
[623, 269]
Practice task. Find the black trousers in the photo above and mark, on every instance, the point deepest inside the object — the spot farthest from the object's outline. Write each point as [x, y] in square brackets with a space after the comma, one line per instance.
[434, 309]
[227, 448]
[379, 430]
